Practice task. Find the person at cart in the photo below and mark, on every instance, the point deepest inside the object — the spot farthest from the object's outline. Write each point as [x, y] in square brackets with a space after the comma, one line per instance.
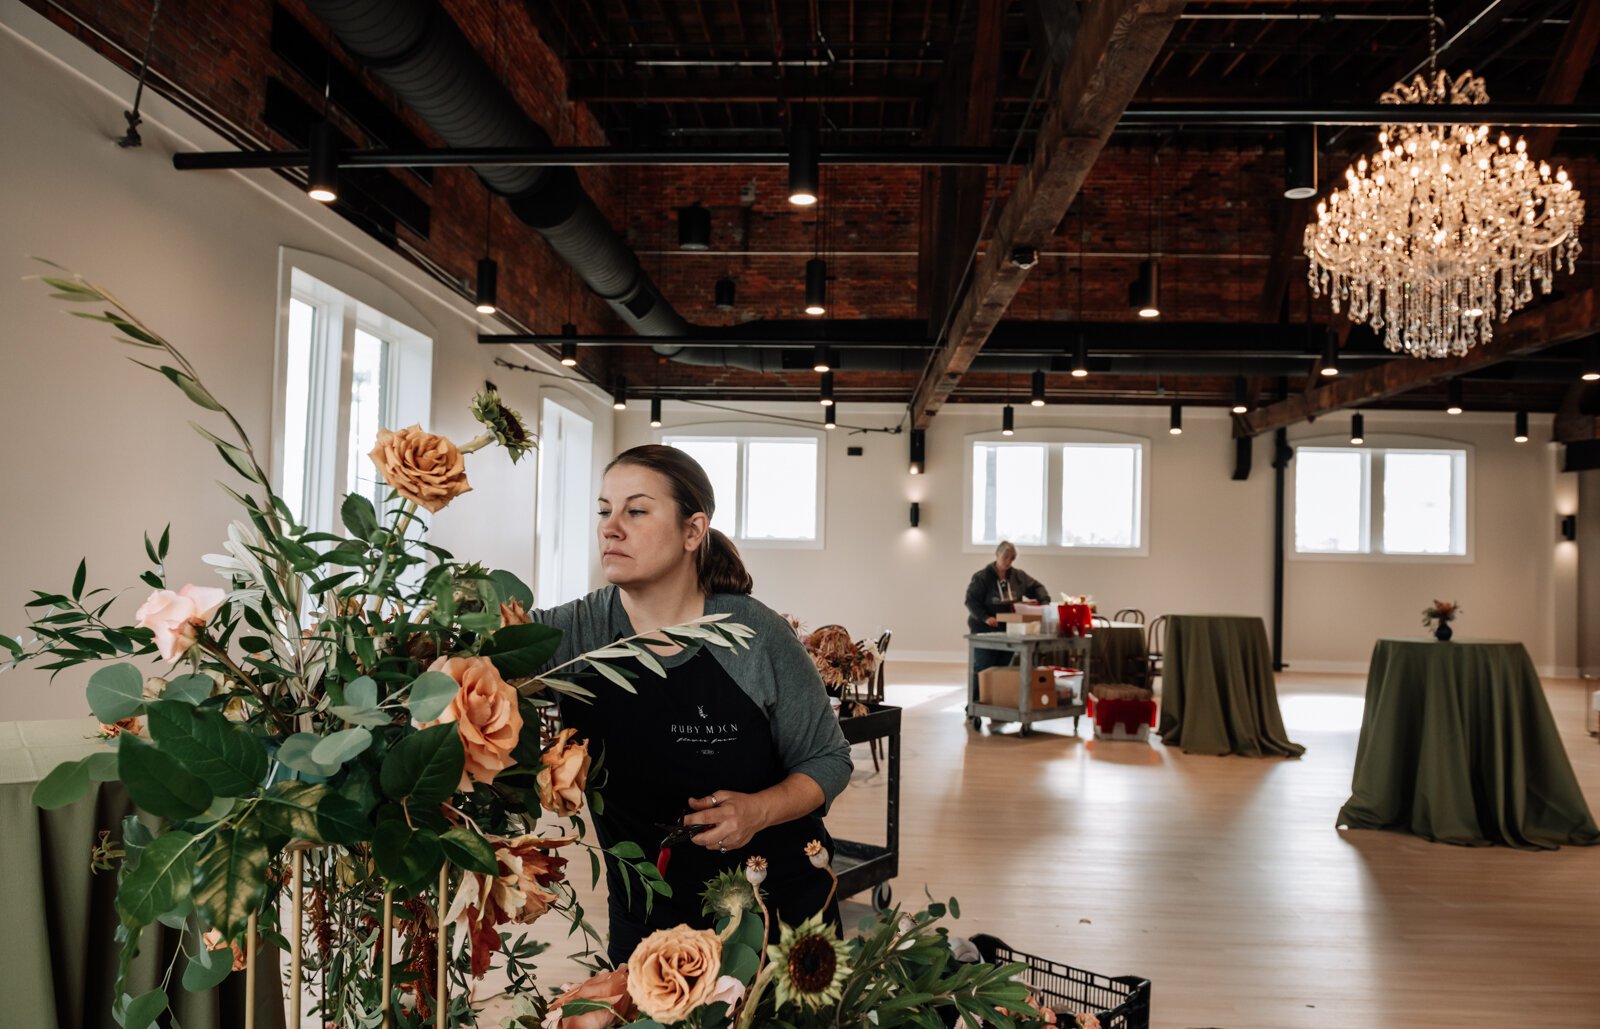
[735, 752]
[994, 590]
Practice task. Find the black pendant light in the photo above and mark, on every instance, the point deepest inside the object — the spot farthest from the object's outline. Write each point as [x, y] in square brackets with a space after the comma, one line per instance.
[1358, 429]
[655, 412]
[569, 345]
[919, 451]
[1175, 422]
[803, 177]
[1144, 293]
[1008, 421]
[1591, 361]
[619, 395]
[1521, 434]
[829, 416]
[816, 286]
[826, 397]
[488, 274]
[694, 227]
[1453, 397]
[822, 358]
[1241, 398]
[1330, 354]
[1300, 162]
[724, 293]
[1037, 397]
[1080, 357]
[322, 174]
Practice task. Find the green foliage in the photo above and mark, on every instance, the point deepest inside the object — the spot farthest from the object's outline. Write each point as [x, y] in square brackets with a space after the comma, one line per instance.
[157, 782]
[424, 768]
[231, 880]
[229, 758]
[115, 692]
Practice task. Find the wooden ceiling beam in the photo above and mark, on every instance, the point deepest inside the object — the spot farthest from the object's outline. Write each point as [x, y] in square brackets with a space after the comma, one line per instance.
[1571, 317]
[1567, 70]
[1116, 43]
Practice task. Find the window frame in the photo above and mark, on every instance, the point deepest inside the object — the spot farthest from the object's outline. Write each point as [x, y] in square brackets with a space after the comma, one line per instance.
[1375, 449]
[742, 434]
[1056, 440]
[344, 299]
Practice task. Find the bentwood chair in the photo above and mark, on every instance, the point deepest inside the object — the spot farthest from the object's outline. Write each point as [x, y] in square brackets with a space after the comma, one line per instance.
[1129, 614]
[1155, 642]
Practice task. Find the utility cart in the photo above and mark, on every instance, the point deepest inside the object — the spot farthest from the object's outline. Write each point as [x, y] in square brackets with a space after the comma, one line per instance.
[1035, 650]
[867, 866]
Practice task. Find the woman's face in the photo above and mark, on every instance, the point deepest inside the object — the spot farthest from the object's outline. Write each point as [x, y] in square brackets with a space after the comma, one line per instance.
[1004, 561]
[641, 537]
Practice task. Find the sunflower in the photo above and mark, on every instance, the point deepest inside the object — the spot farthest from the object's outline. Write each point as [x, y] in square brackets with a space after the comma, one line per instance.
[809, 964]
[504, 423]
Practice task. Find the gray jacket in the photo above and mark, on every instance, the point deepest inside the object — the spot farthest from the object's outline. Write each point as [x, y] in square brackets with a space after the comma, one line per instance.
[776, 673]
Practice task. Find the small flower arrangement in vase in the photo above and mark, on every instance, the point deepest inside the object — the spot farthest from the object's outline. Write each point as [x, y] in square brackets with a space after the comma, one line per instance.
[1444, 612]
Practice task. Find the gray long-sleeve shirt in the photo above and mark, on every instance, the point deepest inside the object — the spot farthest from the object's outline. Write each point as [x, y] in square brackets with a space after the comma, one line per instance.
[775, 672]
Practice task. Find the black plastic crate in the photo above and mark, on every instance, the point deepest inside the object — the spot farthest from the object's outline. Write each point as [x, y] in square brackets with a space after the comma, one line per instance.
[1120, 1002]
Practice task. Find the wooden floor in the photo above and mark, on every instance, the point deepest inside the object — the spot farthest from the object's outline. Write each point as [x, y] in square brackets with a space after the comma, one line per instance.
[1223, 880]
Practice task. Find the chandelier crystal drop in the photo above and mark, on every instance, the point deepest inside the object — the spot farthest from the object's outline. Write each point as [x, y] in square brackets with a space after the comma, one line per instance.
[1444, 231]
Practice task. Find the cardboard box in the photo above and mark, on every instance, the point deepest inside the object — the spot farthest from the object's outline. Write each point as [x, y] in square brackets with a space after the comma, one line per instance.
[1006, 617]
[1001, 687]
[1024, 628]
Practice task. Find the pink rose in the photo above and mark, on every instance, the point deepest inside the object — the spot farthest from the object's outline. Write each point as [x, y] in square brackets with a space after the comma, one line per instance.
[486, 715]
[175, 616]
[610, 987]
[728, 991]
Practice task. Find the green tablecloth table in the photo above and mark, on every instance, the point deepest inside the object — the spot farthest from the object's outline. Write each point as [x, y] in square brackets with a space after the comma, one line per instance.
[1119, 652]
[1218, 695]
[58, 915]
[1458, 746]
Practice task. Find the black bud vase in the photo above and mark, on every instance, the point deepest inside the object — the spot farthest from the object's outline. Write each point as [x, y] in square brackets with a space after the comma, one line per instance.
[1443, 632]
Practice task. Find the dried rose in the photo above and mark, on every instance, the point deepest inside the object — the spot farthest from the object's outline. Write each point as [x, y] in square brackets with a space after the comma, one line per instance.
[563, 774]
[422, 467]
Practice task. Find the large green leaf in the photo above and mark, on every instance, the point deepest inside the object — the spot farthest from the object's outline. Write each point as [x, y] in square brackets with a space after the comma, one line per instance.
[231, 880]
[157, 782]
[520, 651]
[358, 516]
[231, 759]
[425, 767]
[511, 587]
[207, 969]
[65, 784]
[296, 753]
[191, 689]
[290, 808]
[406, 856]
[341, 820]
[362, 692]
[115, 691]
[341, 746]
[430, 694]
[466, 849]
[162, 880]
[141, 1012]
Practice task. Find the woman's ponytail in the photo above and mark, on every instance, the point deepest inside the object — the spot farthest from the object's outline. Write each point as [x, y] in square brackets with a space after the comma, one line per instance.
[720, 567]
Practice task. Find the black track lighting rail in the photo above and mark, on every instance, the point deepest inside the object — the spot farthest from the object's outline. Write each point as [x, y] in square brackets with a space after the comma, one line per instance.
[588, 157]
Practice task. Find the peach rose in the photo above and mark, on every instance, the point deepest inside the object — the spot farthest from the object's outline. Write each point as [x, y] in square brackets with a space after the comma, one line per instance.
[674, 971]
[564, 774]
[421, 467]
[486, 715]
[175, 616]
[610, 987]
[513, 613]
[519, 893]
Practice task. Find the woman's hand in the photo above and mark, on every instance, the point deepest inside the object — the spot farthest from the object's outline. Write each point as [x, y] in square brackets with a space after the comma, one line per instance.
[732, 819]
[991, 620]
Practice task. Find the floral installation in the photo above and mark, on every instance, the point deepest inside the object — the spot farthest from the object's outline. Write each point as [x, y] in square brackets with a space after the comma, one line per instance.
[368, 709]
[1440, 611]
[363, 698]
[841, 661]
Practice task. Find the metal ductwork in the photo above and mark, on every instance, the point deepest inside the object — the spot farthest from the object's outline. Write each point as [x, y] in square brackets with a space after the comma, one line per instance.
[420, 53]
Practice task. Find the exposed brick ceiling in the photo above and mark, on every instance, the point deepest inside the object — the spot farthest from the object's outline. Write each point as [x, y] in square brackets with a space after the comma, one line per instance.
[734, 73]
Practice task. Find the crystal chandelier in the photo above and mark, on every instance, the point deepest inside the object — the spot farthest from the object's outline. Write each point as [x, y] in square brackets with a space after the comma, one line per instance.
[1444, 231]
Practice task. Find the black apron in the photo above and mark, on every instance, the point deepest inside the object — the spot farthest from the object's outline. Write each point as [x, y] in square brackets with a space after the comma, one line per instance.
[688, 735]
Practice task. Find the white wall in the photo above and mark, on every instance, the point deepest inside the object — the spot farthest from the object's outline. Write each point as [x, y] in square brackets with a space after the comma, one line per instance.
[98, 450]
[1210, 538]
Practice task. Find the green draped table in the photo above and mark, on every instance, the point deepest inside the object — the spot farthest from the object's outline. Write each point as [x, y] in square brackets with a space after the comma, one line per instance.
[58, 915]
[1218, 695]
[1458, 746]
[1119, 652]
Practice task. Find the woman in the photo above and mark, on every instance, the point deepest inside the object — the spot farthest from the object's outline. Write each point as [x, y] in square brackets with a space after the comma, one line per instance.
[995, 588]
[741, 742]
